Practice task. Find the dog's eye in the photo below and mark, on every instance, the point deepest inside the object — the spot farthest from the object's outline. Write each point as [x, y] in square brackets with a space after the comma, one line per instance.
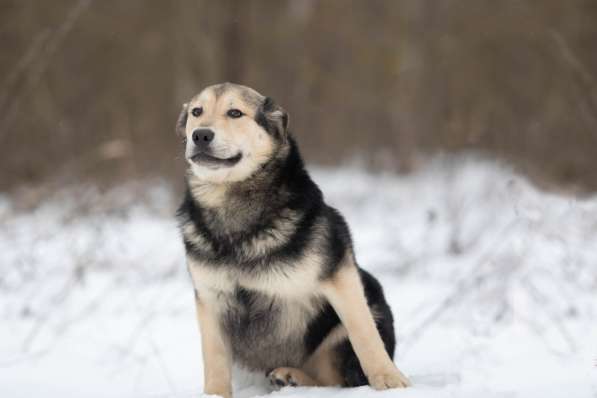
[197, 112]
[234, 113]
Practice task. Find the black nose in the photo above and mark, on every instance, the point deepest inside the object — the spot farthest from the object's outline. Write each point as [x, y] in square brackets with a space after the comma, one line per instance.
[202, 137]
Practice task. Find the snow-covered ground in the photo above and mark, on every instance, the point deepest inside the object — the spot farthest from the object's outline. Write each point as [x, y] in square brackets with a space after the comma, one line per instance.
[493, 283]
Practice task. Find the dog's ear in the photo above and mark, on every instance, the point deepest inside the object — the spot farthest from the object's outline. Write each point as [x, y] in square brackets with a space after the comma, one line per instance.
[181, 123]
[273, 118]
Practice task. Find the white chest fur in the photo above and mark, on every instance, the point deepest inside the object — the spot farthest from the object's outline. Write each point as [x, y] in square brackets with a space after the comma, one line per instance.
[297, 281]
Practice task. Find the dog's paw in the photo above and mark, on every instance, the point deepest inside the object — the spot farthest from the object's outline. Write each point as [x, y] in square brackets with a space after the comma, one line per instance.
[390, 378]
[282, 377]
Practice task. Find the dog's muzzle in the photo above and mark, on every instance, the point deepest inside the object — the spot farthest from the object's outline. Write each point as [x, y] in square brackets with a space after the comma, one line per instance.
[202, 153]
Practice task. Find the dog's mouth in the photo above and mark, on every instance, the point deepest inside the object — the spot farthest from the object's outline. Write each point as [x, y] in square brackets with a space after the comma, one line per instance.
[205, 158]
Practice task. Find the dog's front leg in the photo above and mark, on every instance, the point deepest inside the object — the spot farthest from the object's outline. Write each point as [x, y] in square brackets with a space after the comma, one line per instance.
[346, 294]
[216, 352]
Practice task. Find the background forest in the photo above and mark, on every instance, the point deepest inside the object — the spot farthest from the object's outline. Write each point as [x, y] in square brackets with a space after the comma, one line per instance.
[91, 89]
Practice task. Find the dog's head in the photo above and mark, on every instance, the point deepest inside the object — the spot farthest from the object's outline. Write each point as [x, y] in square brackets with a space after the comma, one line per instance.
[230, 131]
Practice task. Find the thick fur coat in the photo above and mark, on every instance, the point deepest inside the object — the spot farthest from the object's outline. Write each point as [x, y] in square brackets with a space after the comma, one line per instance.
[277, 285]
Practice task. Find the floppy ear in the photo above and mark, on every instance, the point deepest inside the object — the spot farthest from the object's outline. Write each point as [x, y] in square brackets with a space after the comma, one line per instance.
[181, 123]
[273, 118]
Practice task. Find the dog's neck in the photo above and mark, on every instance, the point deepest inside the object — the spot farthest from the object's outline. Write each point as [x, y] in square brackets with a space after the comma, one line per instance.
[229, 196]
[233, 207]
[209, 195]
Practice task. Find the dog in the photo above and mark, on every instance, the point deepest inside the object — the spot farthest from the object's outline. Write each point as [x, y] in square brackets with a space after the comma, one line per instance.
[277, 286]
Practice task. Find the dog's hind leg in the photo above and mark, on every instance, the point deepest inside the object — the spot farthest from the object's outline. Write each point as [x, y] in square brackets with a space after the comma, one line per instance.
[282, 377]
[323, 363]
[320, 369]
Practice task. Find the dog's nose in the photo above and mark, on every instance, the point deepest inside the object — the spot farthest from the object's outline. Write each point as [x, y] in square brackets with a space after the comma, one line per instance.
[202, 137]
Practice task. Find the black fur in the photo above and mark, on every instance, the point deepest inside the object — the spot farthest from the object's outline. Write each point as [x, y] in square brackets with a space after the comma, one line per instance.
[251, 324]
[276, 126]
[264, 122]
[320, 327]
[281, 190]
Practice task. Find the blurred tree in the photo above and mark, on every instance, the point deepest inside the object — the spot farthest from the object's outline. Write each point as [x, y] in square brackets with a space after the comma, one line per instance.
[90, 89]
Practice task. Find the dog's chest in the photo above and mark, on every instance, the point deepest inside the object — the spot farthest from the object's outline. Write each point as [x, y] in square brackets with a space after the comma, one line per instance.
[266, 331]
[264, 314]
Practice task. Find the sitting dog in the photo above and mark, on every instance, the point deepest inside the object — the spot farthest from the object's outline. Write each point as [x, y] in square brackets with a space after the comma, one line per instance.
[277, 286]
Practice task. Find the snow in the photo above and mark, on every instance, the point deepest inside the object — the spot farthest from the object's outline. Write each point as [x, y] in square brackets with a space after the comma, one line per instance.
[492, 281]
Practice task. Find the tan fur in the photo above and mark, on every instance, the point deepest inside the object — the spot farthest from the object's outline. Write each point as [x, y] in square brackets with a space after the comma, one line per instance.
[346, 294]
[209, 281]
[231, 135]
[298, 284]
[212, 195]
[321, 364]
[217, 360]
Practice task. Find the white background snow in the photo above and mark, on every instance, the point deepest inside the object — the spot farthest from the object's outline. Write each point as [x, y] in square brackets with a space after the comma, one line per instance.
[493, 284]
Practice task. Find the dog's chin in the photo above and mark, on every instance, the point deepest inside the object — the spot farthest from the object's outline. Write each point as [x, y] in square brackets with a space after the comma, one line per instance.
[214, 169]
[203, 159]
[235, 169]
